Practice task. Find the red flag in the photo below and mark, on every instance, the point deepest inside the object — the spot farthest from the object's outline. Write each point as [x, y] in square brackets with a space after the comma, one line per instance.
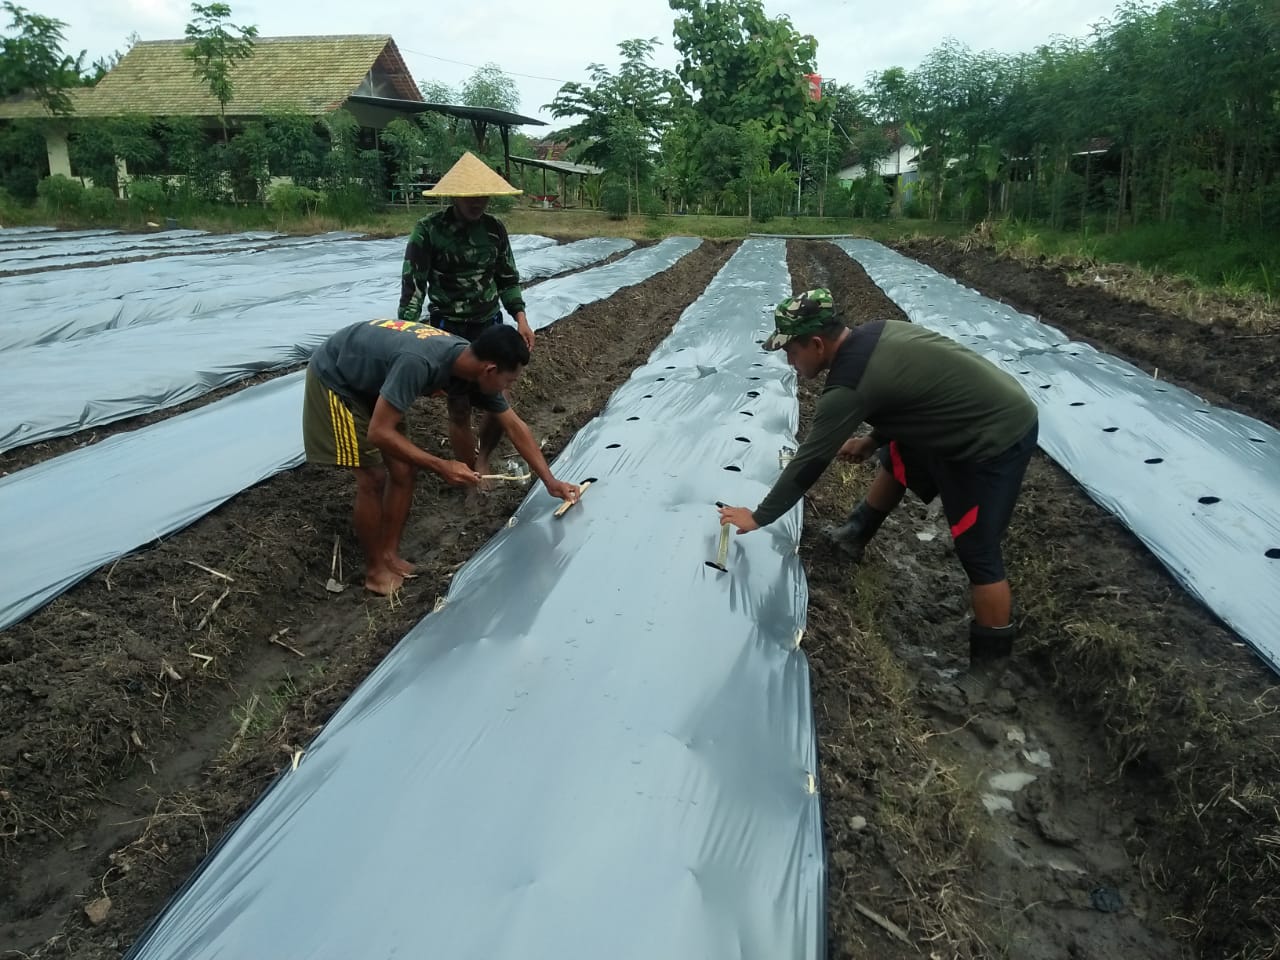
[815, 86]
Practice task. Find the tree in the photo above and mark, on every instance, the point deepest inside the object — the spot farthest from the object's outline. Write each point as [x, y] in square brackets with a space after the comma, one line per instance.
[638, 92]
[216, 47]
[490, 87]
[32, 61]
[742, 65]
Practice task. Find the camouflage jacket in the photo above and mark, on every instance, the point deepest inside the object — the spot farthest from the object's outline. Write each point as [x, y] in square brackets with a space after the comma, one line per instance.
[462, 269]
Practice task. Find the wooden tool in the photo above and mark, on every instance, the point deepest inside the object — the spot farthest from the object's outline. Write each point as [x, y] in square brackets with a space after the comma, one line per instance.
[582, 488]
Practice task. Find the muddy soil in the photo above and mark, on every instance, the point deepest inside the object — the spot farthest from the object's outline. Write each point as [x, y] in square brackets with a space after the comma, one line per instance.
[145, 709]
[1229, 364]
[1115, 797]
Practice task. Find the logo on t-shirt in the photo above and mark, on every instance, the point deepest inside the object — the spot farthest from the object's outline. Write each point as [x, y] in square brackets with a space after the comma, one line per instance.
[419, 330]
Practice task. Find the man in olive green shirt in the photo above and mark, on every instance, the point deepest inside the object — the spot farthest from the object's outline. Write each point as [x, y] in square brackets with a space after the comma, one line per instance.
[945, 422]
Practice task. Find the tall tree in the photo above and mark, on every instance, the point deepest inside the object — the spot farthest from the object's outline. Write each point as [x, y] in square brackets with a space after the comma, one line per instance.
[32, 61]
[216, 47]
[490, 87]
[740, 64]
[638, 92]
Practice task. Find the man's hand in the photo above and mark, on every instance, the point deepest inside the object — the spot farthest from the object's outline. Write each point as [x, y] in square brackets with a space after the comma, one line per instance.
[565, 491]
[525, 331]
[740, 517]
[458, 474]
[858, 449]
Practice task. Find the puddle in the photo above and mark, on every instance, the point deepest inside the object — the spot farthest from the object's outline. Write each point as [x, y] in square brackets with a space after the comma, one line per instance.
[1011, 782]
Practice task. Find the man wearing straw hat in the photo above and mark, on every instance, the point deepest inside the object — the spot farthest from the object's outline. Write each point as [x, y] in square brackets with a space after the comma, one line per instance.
[460, 262]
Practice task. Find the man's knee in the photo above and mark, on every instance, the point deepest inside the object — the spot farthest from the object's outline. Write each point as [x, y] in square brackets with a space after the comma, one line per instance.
[370, 480]
[982, 561]
[401, 472]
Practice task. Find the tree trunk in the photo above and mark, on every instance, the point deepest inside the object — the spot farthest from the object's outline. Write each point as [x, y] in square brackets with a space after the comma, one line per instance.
[1084, 193]
[1228, 169]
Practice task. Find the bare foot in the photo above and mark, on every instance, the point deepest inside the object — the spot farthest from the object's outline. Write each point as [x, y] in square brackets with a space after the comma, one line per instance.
[403, 567]
[383, 582]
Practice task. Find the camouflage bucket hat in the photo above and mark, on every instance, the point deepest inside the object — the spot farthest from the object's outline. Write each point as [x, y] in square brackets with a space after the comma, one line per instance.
[803, 314]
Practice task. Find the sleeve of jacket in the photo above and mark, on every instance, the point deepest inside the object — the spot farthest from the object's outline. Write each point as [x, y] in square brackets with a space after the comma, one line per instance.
[413, 277]
[837, 414]
[506, 276]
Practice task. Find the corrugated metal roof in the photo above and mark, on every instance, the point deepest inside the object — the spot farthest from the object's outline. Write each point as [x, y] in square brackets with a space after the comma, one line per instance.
[483, 114]
[559, 166]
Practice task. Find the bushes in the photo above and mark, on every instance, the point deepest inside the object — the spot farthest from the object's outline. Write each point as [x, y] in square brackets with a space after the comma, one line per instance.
[99, 204]
[291, 200]
[146, 196]
[613, 200]
[60, 195]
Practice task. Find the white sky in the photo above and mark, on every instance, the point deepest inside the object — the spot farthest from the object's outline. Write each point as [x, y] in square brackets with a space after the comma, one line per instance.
[557, 39]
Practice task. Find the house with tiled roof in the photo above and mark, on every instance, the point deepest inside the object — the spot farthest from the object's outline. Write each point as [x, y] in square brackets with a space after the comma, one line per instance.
[308, 75]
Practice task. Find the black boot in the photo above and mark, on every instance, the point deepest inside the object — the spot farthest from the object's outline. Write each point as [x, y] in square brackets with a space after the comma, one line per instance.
[856, 532]
[989, 650]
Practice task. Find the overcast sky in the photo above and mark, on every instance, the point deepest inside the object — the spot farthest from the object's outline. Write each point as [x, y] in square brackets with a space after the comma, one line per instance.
[547, 42]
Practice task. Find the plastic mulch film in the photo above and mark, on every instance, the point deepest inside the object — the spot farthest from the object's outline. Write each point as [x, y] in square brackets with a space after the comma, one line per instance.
[599, 746]
[561, 296]
[62, 386]
[52, 550]
[67, 516]
[57, 253]
[1199, 485]
[66, 305]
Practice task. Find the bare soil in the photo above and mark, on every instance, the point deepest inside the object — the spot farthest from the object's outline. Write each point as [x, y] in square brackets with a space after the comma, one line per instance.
[137, 722]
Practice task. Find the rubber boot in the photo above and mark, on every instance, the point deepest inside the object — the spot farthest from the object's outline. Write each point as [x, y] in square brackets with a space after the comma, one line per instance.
[989, 650]
[856, 532]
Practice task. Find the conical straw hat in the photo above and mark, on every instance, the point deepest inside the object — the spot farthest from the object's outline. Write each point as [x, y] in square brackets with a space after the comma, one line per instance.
[470, 177]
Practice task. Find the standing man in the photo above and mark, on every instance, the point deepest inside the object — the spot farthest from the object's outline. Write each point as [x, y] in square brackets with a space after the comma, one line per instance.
[459, 260]
[360, 384]
[945, 422]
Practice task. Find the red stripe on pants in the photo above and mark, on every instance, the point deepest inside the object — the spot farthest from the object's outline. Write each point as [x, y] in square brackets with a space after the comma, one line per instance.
[964, 523]
[899, 468]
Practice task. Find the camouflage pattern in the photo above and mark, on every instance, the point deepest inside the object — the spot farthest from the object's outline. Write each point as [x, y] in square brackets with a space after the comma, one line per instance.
[803, 314]
[462, 269]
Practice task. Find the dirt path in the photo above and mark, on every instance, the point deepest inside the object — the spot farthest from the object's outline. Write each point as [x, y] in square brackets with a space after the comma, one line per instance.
[1115, 798]
[136, 720]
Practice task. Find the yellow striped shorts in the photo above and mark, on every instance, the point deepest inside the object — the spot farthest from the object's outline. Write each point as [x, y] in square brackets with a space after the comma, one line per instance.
[335, 432]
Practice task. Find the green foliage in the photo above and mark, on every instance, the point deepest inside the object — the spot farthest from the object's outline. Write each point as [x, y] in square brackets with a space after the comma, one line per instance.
[216, 47]
[146, 196]
[614, 200]
[32, 61]
[291, 200]
[23, 158]
[60, 195]
[490, 87]
[408, 148]
[99, 205]
[636, 99]
[743, 65]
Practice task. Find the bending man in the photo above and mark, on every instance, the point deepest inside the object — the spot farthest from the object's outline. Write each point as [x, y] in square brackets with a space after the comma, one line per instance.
[359, 387]
[946, 424]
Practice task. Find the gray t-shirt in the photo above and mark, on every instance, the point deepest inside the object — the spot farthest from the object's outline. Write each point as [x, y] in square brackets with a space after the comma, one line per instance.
[399, 359]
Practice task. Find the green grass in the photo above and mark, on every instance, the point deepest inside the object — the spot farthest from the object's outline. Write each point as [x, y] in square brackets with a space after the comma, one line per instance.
[1238, 264]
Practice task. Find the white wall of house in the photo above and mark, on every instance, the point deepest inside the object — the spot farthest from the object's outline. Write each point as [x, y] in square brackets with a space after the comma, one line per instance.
[896, 164]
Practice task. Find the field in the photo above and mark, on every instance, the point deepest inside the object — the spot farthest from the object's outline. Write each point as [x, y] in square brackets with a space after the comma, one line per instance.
[1117, 797]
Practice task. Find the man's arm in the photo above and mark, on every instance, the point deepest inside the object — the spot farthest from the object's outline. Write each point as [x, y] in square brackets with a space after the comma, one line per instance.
[522, 439]
[507, 279]
[413, 277]
[384, 435]
[838, 413]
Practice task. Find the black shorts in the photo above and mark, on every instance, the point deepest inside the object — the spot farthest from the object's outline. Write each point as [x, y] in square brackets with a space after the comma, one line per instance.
[463, 392]
[978, 497]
